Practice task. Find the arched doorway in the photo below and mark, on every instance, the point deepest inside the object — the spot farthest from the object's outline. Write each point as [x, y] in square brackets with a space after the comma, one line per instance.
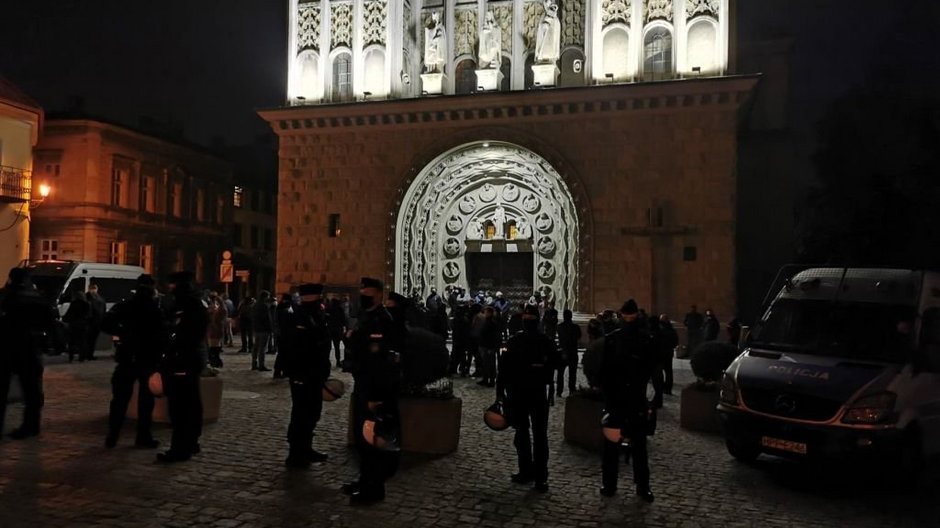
[489, 215]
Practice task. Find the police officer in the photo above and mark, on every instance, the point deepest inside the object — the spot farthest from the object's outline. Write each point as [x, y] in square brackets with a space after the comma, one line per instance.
[138, 325]
[181, 367]
[305, 348]
[524, 383]
[374, 358]
[24, 317]
[626, 368]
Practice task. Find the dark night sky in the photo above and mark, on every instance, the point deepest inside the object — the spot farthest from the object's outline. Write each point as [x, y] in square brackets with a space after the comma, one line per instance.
[209, 63]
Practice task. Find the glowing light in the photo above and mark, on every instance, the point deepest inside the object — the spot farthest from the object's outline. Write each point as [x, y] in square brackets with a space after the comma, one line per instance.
[44, 190]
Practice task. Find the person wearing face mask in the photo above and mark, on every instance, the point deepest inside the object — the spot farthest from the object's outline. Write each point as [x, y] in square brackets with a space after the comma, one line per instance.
[525, 384]
[374, 357]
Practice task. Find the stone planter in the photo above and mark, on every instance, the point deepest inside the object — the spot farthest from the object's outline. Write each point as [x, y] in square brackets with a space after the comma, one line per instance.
[583, 422]
[698, 409]
[210, 388]
[429, 426]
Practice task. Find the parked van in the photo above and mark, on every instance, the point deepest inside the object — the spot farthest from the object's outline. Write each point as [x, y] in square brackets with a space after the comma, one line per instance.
[57, 280]
[844, 363]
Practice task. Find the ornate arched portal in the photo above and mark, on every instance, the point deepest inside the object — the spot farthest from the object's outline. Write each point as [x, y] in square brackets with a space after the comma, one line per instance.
[482, 200]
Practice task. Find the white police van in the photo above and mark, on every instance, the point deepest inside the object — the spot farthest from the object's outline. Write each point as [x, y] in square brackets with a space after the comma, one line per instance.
[56, 280]
[844, 363]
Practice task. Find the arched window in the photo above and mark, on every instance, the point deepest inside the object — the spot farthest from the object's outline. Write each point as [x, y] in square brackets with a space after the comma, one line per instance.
[616, 53]
[374, 71]
[505, 68]
[307, 77]
[342, 77]
[465, 76]
[703, 47]
[657, 53]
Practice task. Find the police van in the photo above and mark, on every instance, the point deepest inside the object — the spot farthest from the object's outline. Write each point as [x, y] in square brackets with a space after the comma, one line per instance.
[844, 363]
[57, 280]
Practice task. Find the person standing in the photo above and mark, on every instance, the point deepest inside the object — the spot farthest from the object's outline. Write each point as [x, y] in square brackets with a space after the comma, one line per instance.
[524, 383]
[569, 334]
[375, 358]
[491, 339]
[305, 347]
[460, 348]
[139, 327]
[76, 318]
[24, 317]
[182, 365]
[262, 326]
[336, 324]
[550, 320]
[244, 325]
[712, 326]
[693, 325]
[227, 338]
[216, 332]
[625, 372]
[668, 341]
[98, 307]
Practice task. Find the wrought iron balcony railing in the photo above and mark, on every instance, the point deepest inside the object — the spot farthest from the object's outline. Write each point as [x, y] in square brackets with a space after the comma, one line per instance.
[14, 184]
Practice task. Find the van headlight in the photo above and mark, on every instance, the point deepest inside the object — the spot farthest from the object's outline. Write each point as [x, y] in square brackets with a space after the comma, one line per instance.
[729, 390]
[871, 409]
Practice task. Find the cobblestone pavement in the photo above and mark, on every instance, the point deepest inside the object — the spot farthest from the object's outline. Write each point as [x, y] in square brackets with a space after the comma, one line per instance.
[68, 478]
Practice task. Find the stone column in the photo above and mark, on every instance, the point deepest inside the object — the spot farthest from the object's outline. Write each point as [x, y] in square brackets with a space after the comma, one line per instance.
[518, 47]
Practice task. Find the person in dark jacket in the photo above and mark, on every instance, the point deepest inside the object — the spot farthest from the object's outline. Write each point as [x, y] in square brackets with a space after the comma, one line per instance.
[181, 367]
[712, 326]
[283, 314]
[98, 307]
[694, 323]
[626, 370]
[550, 321]
[524, 384]
[569, 334]
[25, 317]
[139, 327]
[460, 357]
[305, 347]
[245, 329]
[668, 341]
[263, 326]
[76, 318]
[491, 339]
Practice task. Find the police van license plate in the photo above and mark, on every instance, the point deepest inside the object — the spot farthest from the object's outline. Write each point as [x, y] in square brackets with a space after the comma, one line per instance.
[783, 445]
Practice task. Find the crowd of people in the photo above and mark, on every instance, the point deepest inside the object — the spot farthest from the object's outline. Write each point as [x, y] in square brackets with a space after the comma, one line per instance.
[164, 343]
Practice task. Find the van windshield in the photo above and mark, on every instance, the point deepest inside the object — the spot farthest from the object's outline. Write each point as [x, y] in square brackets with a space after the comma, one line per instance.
[862, 331]
[49, 286]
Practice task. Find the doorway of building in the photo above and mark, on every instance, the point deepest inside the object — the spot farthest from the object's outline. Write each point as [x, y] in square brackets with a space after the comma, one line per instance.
[509, 273]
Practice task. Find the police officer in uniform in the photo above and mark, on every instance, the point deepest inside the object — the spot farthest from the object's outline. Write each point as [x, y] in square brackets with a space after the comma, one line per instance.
[137, 324]
[181, 367]
[626, 368]
[375, 359]
[525, 384]
[305, 348]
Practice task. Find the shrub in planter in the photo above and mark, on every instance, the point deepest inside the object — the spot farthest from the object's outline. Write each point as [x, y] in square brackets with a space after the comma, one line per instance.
[711, 359]
[698, 408]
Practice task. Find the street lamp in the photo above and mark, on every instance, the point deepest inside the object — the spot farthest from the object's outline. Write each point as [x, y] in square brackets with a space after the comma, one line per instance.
[44, 191]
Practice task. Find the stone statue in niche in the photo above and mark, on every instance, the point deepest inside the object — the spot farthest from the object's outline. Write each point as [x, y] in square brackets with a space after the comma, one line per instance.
[523, 229]
[499, 221]
[475, 230]
[491, 43]
[510, 192]
[548, 37]
[435, 45]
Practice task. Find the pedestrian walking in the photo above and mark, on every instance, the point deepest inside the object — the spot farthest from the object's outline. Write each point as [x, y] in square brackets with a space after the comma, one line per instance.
[305, 348]
[263, 326]
[668, 341]
[138, 326]
[181, 367]
[694, 323]
[216, 331]
[76, 320]
[524, 384]
[375, 356]
[245, 329]
[569, 334]
[626, 370]
[98, 307]
[491, 340]
[228, 339]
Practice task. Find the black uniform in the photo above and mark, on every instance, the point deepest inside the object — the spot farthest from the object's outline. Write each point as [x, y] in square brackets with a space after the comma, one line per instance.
[24, 317]
[568, 336]
[306, 350]
[375, 345]
[626, 370]
[181, 368]
[525, 383]
[139, 325]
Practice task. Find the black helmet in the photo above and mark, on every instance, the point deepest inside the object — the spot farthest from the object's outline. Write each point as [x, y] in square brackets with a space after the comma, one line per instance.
[495, 417]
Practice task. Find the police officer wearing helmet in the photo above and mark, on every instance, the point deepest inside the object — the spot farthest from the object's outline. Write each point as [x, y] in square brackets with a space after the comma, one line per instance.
[182, 365]
[375, 359]
[307, 366]
[626, 369]
[525, 383]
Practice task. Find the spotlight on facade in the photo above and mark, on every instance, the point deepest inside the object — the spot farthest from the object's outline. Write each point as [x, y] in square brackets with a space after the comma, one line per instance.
[486, 144]
[366, 95]
[697, 69]
[609, 77]
[44, 191]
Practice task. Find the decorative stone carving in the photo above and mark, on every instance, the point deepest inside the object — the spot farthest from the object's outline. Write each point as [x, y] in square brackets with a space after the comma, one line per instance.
[531, 15]
[523, 229]
[694, 8]
[475, 230]
[435, 45]
[373, 22]
[543, 223]
[491, 43]
[487, 193]
[531, 203]
[454, 225]
[452, 247]
[573, 26]
[468, 204]
[465, 31]
[341, 21]
[548, 37]
[546, 270]
[546, 246]
[503, 14]
[616, 11]
[452, 270]
[499, 221]
[510, 193]
[658, 10]
[308, 26]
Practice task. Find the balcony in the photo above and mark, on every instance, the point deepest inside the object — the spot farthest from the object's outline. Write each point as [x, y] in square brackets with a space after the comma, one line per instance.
[14, 184]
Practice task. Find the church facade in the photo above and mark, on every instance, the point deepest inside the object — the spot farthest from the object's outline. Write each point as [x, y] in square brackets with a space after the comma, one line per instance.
[584, 149]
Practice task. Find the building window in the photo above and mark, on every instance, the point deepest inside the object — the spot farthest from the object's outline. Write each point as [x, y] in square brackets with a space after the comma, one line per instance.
[118, 252]
[200, 268]
[200, 205]
[342, 77]
[237, 234]
[268, 239]
[220, 211]
[49, 249]
[148, 194]
[146, 257]
[268, 203]
[657, 47]
[334, 228]
[466, 77]
[176, 198]
[180, 262]
[237, 197]
[119, 179]
[254, 238]
[255, 200]
[689, 253]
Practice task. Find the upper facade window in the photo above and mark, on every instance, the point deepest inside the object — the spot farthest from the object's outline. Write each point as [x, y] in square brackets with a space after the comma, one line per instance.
[657, 53]
[237, 197]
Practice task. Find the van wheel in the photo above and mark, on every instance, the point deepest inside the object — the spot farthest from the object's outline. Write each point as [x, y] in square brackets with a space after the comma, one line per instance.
[746, 453]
